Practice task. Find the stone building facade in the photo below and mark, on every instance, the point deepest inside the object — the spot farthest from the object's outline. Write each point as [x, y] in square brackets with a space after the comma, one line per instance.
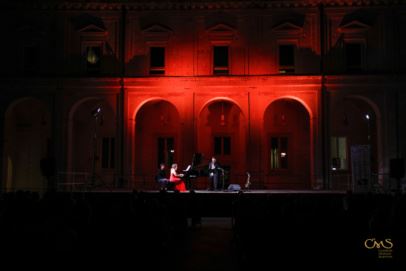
[305, 94]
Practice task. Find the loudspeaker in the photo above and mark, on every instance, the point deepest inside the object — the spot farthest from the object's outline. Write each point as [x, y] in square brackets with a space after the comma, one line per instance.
[234, 187]
[397, 168]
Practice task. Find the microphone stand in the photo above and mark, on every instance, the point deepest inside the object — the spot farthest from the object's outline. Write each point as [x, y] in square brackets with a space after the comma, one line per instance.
[94, 146]
[98, 117]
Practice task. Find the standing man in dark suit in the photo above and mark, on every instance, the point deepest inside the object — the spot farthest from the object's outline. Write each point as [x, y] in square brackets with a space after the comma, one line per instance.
[214, 173]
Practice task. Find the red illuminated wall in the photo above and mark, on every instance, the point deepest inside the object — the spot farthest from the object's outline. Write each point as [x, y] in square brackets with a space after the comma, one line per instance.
[249, 119]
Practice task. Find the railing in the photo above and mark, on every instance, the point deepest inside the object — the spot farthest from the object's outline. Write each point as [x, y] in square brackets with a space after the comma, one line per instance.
[376, 183]
[72, 181]
[341, 181]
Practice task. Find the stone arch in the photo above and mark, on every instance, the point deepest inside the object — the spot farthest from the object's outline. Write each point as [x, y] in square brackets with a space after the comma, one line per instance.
[28, 146]
[357, 121]
[92, 144]
[221, 132]
[288, 144]
[157, 139]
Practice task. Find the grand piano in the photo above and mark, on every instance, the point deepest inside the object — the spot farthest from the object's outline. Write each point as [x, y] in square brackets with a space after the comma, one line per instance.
[193, 171]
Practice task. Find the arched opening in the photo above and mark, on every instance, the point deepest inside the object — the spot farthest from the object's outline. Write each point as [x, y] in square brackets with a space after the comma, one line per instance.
[92, 148]
[354, 144]
[157, 140]
[222, 134]
[287, 145]
[28, 147]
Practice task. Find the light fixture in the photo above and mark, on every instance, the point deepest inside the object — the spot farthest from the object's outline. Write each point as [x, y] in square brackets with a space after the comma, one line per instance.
[222, 117]
[96, 111]
[283, 154]
[92, 57]
[367, 116]
[164, 117]
[283, 117]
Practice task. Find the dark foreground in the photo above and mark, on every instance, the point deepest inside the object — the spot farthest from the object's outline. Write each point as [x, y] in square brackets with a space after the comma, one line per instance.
[207, 230]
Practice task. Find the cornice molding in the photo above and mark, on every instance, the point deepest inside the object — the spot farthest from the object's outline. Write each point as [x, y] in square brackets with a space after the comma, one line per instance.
[221, 33]
[114, 5]
[354, 26]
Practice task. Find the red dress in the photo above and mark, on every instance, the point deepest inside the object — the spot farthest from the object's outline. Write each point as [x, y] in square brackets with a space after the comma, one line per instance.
[179, 183]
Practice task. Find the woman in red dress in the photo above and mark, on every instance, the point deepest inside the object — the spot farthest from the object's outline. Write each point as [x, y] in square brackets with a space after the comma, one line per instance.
[175, 179]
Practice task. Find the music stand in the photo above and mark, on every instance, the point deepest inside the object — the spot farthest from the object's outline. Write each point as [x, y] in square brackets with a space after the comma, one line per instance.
[222, 178]
[187, 177]
[196, 160]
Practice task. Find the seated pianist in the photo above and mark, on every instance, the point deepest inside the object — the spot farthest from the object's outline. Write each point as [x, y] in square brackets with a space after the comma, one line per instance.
[161, 177]
[175, 178]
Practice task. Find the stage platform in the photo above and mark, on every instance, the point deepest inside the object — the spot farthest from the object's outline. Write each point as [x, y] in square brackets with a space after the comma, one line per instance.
[257, 191]
[201, 191]
[213, 203]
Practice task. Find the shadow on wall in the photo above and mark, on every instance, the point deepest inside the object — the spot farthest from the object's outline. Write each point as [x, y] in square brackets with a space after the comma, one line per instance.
[136, 65]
